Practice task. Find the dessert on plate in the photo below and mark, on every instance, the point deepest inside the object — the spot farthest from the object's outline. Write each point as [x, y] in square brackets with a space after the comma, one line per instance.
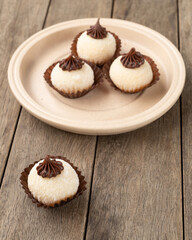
[96, 44]
[73, 77]
[132, 72]
[52, 181]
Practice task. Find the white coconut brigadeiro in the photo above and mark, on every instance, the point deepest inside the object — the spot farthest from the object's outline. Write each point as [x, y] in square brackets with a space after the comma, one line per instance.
[131, 72]
[72, 75]
[53, 180]
[96, 45]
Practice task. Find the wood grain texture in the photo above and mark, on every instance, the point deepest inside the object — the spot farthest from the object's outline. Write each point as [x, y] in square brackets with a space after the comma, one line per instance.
[68, 10]
[160, 16]
[136, 191]
[19, 19]
[19, 218]
[185, 20]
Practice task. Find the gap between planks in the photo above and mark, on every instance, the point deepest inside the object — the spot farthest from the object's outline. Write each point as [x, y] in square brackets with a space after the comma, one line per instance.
[90, 191]
[181, 131]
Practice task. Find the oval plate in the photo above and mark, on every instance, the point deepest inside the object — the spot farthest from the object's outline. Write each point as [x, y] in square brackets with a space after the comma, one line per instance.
[104, 110]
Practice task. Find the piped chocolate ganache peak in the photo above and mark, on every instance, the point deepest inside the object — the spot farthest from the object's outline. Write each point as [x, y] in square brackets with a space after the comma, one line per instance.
[97, 31]
[71, 63]
[132, 59]
[49, 167]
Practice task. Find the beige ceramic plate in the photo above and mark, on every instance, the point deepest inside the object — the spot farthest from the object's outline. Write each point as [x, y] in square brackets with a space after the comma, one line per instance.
[104, 110]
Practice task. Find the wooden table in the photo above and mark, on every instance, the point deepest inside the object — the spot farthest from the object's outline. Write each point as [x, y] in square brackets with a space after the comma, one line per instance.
[139, 183]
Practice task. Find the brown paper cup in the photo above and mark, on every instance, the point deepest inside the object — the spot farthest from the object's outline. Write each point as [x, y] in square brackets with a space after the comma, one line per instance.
[117, 52]
[154, 68]
[24, 183]
[98, 79]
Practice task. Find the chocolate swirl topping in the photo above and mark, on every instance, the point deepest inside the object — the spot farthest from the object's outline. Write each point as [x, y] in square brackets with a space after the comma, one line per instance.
[49, 167]
[71, 63]
[132, 59]
[97, 31]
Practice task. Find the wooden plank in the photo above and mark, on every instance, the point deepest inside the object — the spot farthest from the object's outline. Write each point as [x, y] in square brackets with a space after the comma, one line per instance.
[136, 191]
[185, 19]
[67, 10]
[18, 20]
[19, 218]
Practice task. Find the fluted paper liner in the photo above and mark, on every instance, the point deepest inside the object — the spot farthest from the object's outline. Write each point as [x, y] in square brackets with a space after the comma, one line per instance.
[154, 68]
[24, 183]
[117, 52]
[98, 79]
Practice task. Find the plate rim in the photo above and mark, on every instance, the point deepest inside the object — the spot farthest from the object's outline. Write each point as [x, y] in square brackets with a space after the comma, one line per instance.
[25, 100]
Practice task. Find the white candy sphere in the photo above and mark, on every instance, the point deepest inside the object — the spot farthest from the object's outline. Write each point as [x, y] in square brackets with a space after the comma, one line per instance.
[52, 190]
[72, 81]
[130, 79]
[94, 50]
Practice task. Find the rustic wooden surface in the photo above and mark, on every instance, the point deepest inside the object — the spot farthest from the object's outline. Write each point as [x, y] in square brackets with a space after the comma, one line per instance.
[139, 183]
[145, 202]
[185, 19]
[16, 23]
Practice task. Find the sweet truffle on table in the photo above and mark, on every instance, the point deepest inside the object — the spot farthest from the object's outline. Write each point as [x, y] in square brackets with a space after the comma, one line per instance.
[52, 181]
[132, 72]
[96, 44]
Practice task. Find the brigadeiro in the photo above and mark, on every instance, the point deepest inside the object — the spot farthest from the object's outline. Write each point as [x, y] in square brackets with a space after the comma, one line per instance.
[73, 77]
[53, 181]
[96, 44]
[132, 72]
